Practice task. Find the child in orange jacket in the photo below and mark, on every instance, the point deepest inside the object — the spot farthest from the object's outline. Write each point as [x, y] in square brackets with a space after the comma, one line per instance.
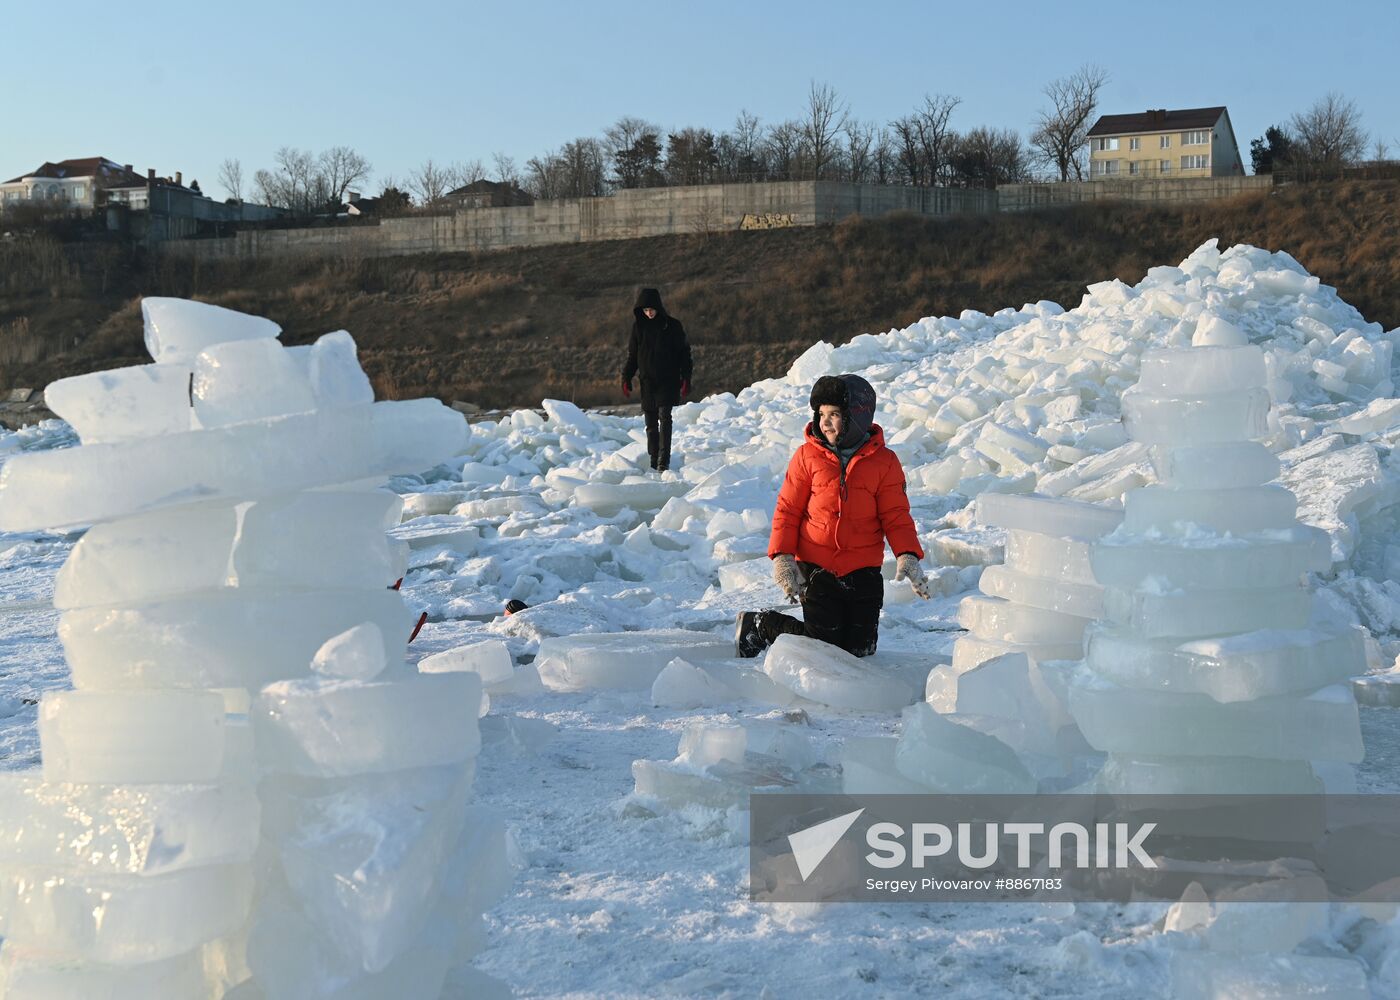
[843, 497]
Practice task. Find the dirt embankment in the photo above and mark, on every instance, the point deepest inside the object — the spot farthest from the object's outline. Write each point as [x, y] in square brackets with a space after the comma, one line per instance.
[509, 328]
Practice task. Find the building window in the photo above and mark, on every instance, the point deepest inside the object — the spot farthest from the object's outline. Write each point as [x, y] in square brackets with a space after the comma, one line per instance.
[1135, 142]
[1134, 167]
[1197, 138]
[1105, 167]
[1105, 145]
[1165, 142]
[1195, 162]
[1166, 166]
[79, 192]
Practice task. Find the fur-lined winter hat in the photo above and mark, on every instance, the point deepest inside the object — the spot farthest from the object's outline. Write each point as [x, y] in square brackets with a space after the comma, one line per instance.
[856, 398]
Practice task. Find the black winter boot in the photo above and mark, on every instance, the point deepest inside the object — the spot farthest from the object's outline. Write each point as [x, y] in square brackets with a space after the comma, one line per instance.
[748, 641]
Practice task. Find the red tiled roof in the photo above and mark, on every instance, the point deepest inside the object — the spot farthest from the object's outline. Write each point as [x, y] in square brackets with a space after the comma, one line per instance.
[1157, 121]
[108, 173]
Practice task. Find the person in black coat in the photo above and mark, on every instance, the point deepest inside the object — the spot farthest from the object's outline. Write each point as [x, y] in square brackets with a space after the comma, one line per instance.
[658, 352]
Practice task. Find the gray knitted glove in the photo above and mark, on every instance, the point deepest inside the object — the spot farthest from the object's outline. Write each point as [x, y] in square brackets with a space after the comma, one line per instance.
[788, 576]
[907, 568]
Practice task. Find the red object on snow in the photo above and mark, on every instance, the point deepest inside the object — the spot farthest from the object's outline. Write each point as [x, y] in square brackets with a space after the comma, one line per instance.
[422, 620]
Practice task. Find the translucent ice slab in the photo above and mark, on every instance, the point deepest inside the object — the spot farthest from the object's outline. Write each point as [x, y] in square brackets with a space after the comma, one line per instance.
[248, 380]
[223, 638]
[355, 654]
[1196, 420]
[1154, 614]
[38, 974]
[1201, 371]
[1126, 774]
[1047, 515]
[622, 660]
[1213, 562]
[1323, 726]
[1200, 975]
[489, 659]
[1015, 451]
[178, 329]
[1215, 466]
[969, 651]
[994, 618]
[328, 728]
[1228, 668]
[144, 829]
[945, 756]
[1082, 600]
[122, 918]
[317, 539]
[131, 736]
[1238, 511]
[722, 785]
[105, 481]
[1044, 555]
[124, 403]
[868, 768]
[831, 676]
[608, 498]
[704, 743]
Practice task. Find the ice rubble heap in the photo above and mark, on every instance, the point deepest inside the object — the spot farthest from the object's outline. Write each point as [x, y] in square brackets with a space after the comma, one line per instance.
[248, 794]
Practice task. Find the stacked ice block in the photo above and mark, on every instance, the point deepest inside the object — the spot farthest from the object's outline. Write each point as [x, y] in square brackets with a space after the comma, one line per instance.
[1032, 614]
[1209, 671]
[247, 793]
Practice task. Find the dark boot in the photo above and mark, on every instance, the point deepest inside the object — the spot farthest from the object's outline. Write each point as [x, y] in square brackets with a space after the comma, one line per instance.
[748, 641]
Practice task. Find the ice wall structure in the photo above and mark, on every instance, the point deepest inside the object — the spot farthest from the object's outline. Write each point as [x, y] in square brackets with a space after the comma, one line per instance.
[247, 794]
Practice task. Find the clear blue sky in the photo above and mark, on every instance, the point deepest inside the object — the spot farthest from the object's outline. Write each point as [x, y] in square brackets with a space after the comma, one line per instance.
[182, 86]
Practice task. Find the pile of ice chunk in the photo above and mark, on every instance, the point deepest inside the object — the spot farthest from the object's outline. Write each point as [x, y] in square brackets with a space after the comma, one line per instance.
[240, 691]
[1209, 670]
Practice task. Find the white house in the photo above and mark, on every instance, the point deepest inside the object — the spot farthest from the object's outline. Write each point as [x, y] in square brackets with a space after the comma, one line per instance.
[77, 184]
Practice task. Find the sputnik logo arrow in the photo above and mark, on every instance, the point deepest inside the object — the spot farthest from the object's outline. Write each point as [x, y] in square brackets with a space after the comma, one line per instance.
[811, 846]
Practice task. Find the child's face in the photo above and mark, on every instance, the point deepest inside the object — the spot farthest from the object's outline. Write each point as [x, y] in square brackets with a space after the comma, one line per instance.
[649, 312]
[829, 422]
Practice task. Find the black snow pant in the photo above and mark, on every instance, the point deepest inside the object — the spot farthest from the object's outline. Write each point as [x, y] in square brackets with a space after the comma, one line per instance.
[841, 610]
[658, 419]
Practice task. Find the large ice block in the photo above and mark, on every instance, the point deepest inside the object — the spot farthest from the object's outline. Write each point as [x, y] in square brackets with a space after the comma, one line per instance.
[704, 743]
[1044, 555]
[1083, 600]
[994, 618]
[124, 403]
[1213, 562]
[122, 918]
[1202, 370]
[971, 650]
[228, 638]
[609, 498]
[320, 727]
[261, 458]
[1322, 726]
[831, 676]
[721, 785]
[131, 736]
[1228, 668]
[622, 660]
[1047, 515]
[868, 768]
[1125, 774]
[363, 860]
[1228, 465]
[1237, 511]
[489, 659]
[355, 654]
[1158, 612]
[948, 757]
[178, 329]
[40, 974]
[1195, 420]
[136, 829]
[248, 380]
[334, 369]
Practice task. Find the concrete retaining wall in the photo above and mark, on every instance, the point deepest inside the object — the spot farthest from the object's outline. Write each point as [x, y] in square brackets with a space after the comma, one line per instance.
[1024, 197]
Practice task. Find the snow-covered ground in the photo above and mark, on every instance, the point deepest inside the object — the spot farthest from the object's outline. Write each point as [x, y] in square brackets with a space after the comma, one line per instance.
[620, 897]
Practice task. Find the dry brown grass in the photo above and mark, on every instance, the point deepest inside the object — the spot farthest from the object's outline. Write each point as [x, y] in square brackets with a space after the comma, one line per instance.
[512, 327]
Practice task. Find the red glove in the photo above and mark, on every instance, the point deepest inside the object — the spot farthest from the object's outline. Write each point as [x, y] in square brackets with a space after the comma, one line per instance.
[685, 387]
[627, 388]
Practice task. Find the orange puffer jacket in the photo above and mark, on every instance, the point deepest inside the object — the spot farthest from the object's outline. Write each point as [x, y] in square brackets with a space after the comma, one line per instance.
[843, 529]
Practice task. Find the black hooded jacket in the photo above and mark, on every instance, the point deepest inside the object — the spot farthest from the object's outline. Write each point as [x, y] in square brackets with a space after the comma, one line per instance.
[657, 351]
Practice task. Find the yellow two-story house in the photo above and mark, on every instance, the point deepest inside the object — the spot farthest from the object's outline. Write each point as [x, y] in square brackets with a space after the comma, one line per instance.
[1194, 142]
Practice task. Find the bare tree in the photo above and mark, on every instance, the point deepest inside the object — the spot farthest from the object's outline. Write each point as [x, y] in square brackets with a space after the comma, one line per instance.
[231, 177]
[545, 175]
[783, 149]
[340, 168]
[465, 172]
[634, 147]
[924, 138]
[988, 157]
[506, 172]
[860, 139]
[1380, 151]
[293, 184]
[429, 182]
[750, 164]
[1061, 131]
[1329, 133]
[884, 157]
[824, 119]
[585, 167]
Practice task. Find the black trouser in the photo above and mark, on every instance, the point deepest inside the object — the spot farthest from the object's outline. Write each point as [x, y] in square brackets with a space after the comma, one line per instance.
[658, 420]
[841, 610]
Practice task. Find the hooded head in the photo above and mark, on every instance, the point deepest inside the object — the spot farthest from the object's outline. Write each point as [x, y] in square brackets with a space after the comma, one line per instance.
[856, 399]
[649, 298]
